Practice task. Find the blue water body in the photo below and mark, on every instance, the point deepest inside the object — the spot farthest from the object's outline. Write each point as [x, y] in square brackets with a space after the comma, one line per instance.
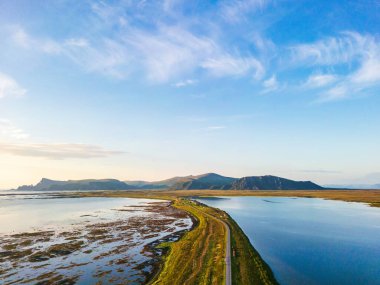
[310, 241]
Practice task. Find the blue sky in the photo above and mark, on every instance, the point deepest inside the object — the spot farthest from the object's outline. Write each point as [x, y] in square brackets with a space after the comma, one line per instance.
[153, 89]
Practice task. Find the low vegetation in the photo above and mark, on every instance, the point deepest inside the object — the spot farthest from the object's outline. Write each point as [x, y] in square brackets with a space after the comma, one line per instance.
[199, 256]
[371, 197]
[246, 263]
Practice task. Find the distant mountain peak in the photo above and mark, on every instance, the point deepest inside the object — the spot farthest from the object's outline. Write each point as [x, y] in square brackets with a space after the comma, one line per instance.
[205, 181]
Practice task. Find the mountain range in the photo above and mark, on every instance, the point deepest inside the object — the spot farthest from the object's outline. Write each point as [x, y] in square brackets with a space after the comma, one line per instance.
[354, 186]
[208, 181]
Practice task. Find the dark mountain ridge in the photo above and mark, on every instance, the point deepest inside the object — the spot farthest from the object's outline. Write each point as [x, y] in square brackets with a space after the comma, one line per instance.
[269, 182]
[87, 184]
[208, 181]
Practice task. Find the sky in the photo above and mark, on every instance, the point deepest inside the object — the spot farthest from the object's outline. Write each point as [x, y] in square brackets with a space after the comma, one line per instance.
[154, 89]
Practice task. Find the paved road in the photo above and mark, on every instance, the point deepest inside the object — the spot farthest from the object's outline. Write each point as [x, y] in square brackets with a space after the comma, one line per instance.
[228, 254]
[228, 249]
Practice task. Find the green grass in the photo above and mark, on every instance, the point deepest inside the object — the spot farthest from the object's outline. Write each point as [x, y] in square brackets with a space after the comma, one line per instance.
[246, 263]
[198, 257]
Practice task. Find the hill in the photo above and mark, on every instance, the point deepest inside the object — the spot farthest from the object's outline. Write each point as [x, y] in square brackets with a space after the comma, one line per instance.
[203, 181]
[353, 186]
[269, 182]
[213, 181]
[88, 184]
[208, 181]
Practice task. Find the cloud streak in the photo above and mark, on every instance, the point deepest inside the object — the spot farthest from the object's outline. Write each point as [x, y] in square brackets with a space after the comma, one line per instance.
[9, 87]
[56, 150]
[8, 130]
[235, 10]
[358, 55]
[122, 40]
[162, 53]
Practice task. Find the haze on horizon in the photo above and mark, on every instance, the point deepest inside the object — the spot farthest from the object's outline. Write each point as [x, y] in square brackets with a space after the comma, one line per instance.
[153, 89]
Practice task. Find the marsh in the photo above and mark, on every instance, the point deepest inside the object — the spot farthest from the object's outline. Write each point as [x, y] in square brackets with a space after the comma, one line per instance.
[83, 240]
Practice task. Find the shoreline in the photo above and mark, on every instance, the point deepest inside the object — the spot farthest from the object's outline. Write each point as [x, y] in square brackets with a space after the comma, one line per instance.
[197, 255]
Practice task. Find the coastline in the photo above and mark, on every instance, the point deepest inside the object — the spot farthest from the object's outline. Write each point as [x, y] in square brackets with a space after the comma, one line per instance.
[197, 251]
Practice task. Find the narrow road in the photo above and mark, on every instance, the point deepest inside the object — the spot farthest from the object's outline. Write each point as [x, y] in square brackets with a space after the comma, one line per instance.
[228, 254]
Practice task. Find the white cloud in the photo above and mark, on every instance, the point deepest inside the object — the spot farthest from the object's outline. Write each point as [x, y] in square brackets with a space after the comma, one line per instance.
[9, 87]
[162, 53]
[335, 93]
[235, 10]
[227, 65]
[184, 83]
[330, 51]
[369, 72]
[108, 57]
[356, 56]
[170, 52]
[56, 150]
[76, 42]
[20, 37]
[8, 130]
[170, 5]
[263, 44]
[320, 80]
[271, 84]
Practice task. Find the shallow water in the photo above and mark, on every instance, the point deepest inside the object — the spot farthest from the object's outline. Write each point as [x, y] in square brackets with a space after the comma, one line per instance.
[310, 241]
[99, 239]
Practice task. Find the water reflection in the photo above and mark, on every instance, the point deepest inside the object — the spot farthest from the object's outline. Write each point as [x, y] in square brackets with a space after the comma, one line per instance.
[83, 240]
[311, 241]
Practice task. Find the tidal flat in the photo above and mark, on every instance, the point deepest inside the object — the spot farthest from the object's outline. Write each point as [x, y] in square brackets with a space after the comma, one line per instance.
[46, 239]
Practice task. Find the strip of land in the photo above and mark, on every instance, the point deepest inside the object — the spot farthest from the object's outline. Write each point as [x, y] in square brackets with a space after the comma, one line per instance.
[199, 257]
[371, 197]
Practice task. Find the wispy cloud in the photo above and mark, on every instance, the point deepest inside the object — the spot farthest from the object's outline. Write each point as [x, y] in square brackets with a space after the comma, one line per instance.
[236, 10]
[320, 80]
[369, 71]
[121, 40]
[227, 65]
[271, 84]
[9, 87]
[162, 54]
[184, 83]
[357, 54]
[170, 52]
[56, 150]
[331, 50]
[215, 128]
[9, 131]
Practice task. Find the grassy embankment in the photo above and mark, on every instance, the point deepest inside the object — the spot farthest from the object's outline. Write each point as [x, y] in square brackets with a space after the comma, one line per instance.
[247, 265]
[371, 197]
[198, 258]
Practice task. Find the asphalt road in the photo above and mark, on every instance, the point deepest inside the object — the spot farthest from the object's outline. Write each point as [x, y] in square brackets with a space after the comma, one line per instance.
[228, 250]
[228, 255]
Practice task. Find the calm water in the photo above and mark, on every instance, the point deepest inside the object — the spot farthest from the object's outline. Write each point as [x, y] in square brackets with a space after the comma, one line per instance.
[88, 240]
[311, 241]
[21, 213]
